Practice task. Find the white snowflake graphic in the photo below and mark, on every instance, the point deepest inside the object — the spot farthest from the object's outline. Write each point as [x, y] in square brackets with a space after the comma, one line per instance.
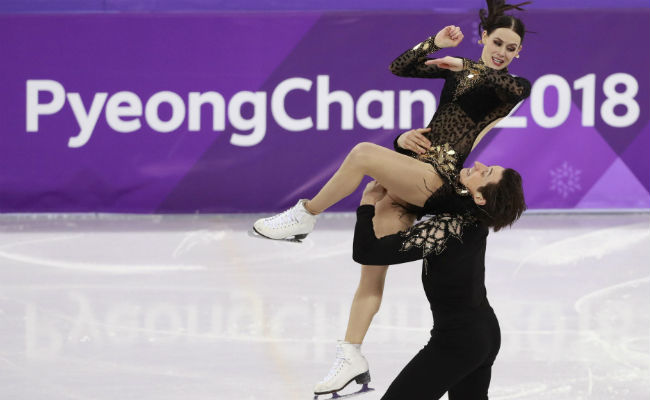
[565, 180]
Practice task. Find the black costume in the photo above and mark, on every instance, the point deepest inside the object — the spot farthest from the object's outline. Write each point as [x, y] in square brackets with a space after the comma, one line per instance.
[465, 338]
[470, 101]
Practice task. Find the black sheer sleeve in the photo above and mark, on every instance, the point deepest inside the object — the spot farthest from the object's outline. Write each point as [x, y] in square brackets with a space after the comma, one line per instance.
[511, 88]
[411, 62]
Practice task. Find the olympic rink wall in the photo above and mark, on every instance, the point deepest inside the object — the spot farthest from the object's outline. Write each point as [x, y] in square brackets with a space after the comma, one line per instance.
[247, 112]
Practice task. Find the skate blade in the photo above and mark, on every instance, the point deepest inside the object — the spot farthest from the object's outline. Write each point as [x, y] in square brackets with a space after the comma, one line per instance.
[295, 239]
[364, 389]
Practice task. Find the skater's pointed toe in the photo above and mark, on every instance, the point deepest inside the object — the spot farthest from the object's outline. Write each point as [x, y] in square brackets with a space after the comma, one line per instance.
[321, 388]
[258, 226]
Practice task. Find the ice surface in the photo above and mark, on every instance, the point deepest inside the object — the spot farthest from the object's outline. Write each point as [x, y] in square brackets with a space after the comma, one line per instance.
[170, 307]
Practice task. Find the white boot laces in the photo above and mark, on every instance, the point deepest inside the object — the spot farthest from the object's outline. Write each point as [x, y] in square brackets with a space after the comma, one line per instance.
[338, 364]
[283, 219]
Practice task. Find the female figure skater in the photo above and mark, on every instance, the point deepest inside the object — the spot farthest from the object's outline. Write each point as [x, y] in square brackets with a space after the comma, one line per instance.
[476, 95]
[465, 338]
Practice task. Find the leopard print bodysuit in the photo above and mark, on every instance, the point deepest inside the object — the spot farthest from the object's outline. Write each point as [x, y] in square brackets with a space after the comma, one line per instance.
[471, 99]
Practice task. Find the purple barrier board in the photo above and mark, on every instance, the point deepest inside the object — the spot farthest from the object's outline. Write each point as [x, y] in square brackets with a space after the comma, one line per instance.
[247, 112]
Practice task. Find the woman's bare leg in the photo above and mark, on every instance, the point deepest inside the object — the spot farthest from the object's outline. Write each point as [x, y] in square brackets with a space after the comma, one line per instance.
[389, 219]
[350, 363]
[366, 302]
[405, 177]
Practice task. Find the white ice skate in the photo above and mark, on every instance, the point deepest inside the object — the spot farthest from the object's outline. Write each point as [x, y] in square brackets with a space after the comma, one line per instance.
[350, 365]
[294, 224]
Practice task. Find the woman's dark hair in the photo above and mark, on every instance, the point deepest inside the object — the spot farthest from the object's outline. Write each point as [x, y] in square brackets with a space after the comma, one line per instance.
[494, 18]
[504, 201]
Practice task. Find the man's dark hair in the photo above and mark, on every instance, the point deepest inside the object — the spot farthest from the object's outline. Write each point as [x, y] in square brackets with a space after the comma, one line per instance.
[504, 201]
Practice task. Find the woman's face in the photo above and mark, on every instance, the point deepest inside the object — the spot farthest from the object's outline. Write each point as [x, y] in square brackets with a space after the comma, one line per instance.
[480, 175]
[500, 47]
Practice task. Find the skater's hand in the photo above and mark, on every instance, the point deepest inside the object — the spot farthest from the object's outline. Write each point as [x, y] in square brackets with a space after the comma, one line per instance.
[415, 140]
[450, 63]
[373, 193]
[449, 36]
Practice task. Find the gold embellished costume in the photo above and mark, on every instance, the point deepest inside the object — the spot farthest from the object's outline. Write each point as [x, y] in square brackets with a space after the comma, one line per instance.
[470, 101]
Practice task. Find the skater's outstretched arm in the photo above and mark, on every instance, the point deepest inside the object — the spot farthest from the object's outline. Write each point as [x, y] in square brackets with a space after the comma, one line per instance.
[514, 88]
[510, 88]
[411, 63]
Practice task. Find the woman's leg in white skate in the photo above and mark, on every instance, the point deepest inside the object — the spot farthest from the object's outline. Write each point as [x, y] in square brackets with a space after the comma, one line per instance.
[350, 363]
